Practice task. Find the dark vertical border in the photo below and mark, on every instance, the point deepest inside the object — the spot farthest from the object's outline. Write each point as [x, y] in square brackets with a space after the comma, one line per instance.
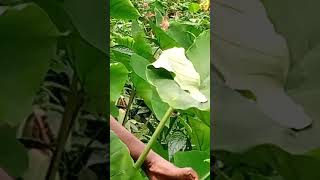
[211, 90]
[107, 20]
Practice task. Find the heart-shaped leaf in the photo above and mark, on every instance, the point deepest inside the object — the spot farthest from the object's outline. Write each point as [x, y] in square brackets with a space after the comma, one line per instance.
[170, 91]
[256, 58]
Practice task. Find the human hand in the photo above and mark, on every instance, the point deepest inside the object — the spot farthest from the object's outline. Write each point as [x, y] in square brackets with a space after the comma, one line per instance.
[161, 169]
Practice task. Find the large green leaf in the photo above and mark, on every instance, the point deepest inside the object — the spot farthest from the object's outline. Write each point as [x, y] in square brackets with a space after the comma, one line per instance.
[123, 9]
[14, 158]
[256, 58]
[299, 29]
[118, 78]
[91, 66]
[200, 136]
[175, 61]
[194, 159]
[141, 46]
[303, 88]
[144, 89]
[164, 40]
[121, 163]
[89, 17]
[170, 92]
[25, 57]
[271, 160]
[119, 55]
[183, 34]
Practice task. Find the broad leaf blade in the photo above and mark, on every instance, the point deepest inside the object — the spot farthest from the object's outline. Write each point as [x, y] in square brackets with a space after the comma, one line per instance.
[25, 57]
[123, 9]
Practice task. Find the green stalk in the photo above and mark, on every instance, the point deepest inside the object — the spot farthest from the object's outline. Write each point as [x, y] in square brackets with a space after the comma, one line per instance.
[153, 139]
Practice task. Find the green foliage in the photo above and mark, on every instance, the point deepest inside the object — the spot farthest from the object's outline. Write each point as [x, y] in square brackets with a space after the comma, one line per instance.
[278, 63]
[137, 44]
[25, 57]
[199, 55]
[121, 163]
[49, 38]
[195, 159]
[123, 9]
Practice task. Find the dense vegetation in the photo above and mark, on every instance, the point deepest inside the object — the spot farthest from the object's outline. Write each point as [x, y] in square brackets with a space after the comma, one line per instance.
[266, 90]
[141, 95]
[53, 100]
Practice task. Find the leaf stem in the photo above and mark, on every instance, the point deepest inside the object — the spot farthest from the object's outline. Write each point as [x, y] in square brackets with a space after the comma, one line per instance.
[153, 139]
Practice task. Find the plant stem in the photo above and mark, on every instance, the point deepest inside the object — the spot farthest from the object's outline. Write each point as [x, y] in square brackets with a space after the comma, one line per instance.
[70, 113]
[153, 139]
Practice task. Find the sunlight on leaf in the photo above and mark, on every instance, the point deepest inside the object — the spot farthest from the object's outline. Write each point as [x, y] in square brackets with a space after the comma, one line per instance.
[174, 60]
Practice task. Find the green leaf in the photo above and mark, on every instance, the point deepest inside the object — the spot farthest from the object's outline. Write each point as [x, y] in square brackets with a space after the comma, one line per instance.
[302, 86]
[144, 89]
[123, 9]
[121, 163]
[175, 61]
[141, 46]
[14, 159]
[158, 148]
[194, 159]
[259, 63]
[266, 156]
[200, 136]
[199, 55]
[139, 65]
[295, 28]
[194, 7]
[204, 116]
[176, 142]
[118, 78]
[163, 39]
[158, 16]
[118, 55]
[183, 34]
[91, 66]
[159, 108]
[25, 57]
[121, 40]
[90, 20]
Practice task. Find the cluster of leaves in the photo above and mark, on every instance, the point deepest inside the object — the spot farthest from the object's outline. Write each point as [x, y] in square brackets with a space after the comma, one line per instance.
[140, 95]
[266, 75]
[53, 56]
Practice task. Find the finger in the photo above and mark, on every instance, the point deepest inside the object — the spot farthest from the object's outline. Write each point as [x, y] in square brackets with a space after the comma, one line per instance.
[189, 174]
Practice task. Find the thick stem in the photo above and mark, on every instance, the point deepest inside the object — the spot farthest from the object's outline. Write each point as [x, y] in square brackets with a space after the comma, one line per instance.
[153, 139]
[70, 113]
